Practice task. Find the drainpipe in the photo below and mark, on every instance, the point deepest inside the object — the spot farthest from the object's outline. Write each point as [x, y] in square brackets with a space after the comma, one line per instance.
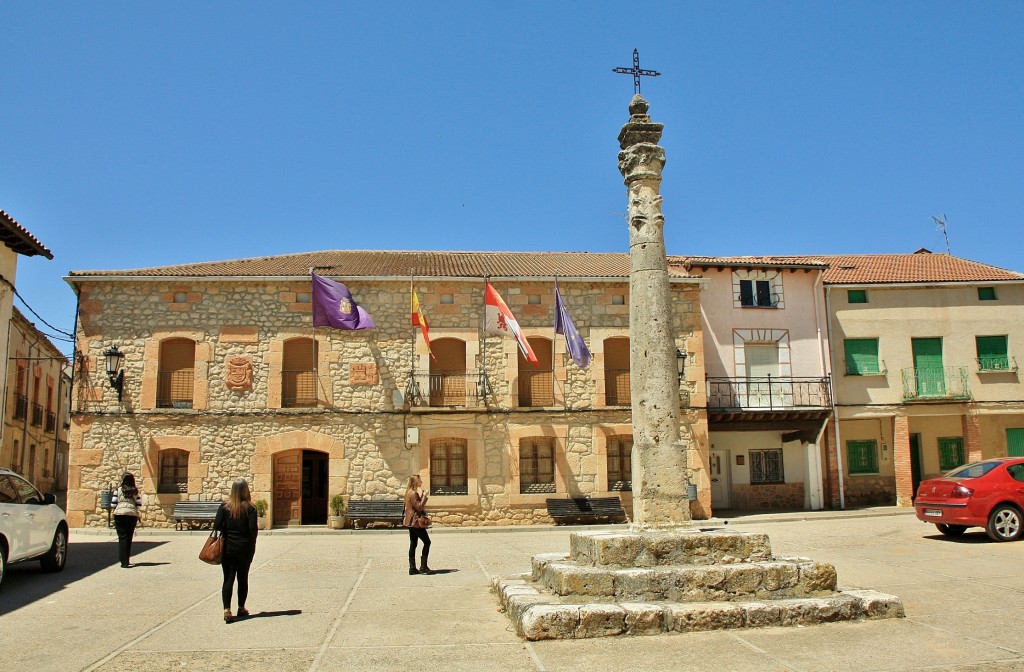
[835, 412]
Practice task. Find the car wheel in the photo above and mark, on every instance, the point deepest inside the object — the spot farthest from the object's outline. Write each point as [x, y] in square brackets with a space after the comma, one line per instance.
[3, 564]
[1005, 523]
[55, 558]
[951, 530]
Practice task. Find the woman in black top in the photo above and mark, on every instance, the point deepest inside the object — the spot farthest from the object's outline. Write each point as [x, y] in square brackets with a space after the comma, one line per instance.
[236, 519]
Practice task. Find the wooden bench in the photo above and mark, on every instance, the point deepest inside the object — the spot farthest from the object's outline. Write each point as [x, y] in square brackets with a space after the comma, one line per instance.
[186, 513]
[585, 509]
[375, 511]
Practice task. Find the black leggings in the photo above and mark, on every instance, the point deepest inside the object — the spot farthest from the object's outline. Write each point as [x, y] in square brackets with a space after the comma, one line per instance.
[125, 526]
[417, 534]
[235, 566]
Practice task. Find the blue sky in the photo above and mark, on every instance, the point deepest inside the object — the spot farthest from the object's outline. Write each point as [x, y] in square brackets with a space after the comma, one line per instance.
[145, 134]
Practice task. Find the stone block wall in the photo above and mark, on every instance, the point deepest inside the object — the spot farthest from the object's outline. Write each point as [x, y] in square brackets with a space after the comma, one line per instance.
[239, 428]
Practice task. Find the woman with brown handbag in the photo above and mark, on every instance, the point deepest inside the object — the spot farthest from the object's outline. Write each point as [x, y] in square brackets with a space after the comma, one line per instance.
[417, 521]
[126, 503]
[236, 520]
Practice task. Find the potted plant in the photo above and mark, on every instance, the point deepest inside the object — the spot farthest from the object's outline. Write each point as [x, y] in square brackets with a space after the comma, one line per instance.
[337, 512]
[261, 513]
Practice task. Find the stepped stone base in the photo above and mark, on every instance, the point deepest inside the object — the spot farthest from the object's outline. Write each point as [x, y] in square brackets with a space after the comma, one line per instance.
[686, 580]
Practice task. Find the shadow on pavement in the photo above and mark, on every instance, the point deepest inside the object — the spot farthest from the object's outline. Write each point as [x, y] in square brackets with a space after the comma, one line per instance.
[271, 614]
[966, 538]
[26, 582]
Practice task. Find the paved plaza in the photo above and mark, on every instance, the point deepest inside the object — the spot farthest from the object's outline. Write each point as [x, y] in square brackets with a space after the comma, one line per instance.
[325, 600]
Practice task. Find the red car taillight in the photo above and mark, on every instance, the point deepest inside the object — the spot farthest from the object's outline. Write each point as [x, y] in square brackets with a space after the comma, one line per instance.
[960, 492]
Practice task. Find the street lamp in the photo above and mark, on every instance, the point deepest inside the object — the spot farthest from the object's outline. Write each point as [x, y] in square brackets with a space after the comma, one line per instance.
[113, 358]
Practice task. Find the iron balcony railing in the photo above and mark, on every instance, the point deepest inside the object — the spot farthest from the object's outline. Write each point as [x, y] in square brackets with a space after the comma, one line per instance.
[536, 387]
[616, 387]
[464, 389]
[174, 388]
[769, 392]
[940, 382]
[37, 414]
[51, 421]
[20, 407]
[298, 389]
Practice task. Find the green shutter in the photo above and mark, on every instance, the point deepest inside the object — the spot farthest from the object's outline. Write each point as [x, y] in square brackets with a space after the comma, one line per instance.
[862, 457]
[992, 353]
[986, 293]
[861, 356]
[1014, 442]
[951, 453]
[857, 296]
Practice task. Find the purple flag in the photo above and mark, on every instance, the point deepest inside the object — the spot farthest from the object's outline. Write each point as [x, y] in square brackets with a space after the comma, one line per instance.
[573, 341]
[333, 306]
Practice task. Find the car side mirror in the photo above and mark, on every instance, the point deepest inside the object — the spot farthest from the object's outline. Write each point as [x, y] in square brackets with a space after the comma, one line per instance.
[49, 498]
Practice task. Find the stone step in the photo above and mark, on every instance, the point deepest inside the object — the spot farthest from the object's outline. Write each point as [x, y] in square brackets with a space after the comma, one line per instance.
[769, 579]
[678, 546]
[538, 615]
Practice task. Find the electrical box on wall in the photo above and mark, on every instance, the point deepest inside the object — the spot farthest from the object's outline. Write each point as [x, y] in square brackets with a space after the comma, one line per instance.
[412, 435]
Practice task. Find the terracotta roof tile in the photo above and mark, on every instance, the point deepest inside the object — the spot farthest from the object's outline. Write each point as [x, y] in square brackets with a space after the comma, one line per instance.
[922, 266]
[377, 263]
[17, 237]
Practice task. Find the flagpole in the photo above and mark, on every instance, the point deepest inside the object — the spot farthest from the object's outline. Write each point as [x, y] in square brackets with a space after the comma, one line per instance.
[483, 345]
[412, 352]
[554, 343]
[316, 364]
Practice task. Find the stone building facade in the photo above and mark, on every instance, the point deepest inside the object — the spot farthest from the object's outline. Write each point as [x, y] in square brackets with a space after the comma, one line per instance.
[224, 376]
[35, 417]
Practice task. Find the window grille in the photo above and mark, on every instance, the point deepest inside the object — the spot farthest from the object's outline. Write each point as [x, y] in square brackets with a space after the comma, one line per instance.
[536, 466]
[766, 466]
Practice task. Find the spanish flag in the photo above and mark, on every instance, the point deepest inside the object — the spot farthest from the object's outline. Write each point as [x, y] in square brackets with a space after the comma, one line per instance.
[420, 320]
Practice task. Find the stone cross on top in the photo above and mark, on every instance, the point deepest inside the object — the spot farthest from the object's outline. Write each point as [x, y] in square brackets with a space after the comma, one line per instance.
[636, 72]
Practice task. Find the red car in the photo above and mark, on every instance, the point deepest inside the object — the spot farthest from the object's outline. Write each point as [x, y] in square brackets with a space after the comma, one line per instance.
[987, 494]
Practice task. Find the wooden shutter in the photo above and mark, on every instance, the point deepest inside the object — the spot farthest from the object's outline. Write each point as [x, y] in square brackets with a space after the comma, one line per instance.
[861, 356]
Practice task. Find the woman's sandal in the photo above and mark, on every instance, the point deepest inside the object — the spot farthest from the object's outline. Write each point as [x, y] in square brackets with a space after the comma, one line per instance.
[228, 618]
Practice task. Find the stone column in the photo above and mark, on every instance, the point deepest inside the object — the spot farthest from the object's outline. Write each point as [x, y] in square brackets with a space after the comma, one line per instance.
[660, 466]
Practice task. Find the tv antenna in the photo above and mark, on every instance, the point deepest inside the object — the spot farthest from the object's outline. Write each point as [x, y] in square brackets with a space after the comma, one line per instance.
[940, 223]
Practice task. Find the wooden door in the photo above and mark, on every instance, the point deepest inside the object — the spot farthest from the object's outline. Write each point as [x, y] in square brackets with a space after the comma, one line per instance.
[288, 488]
[314, 488]
[719, 472]
[931, 379]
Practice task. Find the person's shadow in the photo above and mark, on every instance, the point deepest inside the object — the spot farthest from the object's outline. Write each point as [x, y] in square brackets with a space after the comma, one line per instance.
[147, 564]
[271, 614]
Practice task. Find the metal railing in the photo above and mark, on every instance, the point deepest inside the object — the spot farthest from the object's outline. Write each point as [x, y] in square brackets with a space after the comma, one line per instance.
[990, 363]
[536, 387]
[20, 407]
[616, 387]
[37, 414]
[298, 389]
[464, 389]
[174, 388]
[940, 382]
[51, 421]
[769, 392]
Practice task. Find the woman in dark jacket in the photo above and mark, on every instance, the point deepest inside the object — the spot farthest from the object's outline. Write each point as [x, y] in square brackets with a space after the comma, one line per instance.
[236, 519]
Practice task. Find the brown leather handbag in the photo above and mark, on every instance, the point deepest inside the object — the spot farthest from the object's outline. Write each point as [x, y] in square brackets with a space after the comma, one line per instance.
[213, 548]
[421, 520]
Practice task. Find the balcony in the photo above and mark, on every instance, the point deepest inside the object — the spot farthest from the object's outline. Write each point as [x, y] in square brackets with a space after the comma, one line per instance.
[37, 414]
[298, 389]
[798, 406]
[20, 407]
[536, 388]
[448, 389]
[941, 383]
[174, 388]
[769, 393]
[616, 387]
[51, 421]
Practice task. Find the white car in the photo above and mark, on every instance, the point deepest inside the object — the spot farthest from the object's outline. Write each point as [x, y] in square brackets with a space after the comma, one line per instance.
[32, 526]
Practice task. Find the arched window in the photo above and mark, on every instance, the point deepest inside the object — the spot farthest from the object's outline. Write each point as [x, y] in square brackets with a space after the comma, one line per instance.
[176, 377]
[298, 374]
[536, 384]
[616, 372]
[173, 471]
[448, 372]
